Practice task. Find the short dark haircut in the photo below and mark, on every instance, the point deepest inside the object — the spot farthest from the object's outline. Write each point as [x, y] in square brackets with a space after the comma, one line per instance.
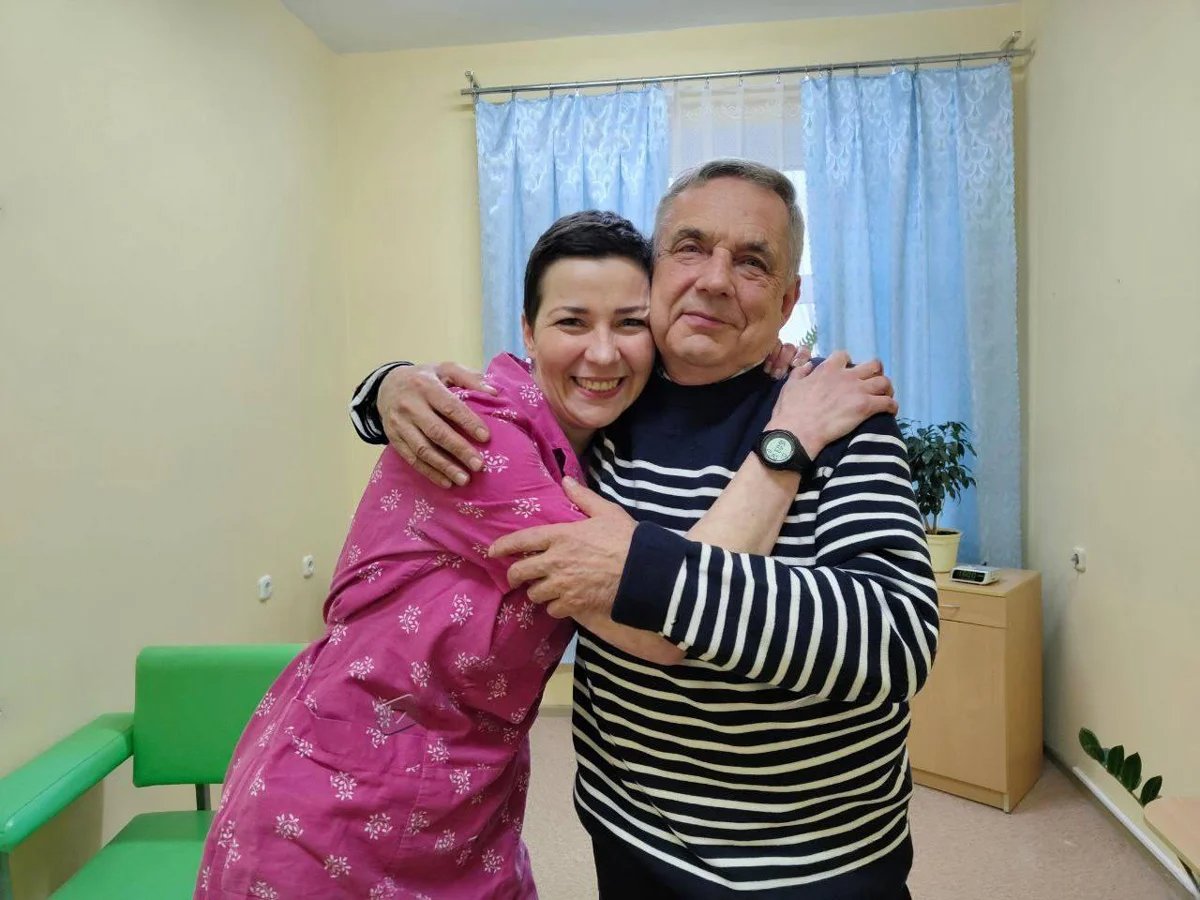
[590, 234]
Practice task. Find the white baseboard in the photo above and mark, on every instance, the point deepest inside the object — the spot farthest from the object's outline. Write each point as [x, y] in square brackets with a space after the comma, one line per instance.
[1169, 862]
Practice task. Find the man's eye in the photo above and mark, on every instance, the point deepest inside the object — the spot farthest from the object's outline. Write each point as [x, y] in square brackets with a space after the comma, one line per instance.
[688, 248]
[755, 263]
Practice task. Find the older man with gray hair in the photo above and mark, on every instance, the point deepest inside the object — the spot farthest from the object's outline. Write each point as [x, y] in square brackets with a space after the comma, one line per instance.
[772, 761]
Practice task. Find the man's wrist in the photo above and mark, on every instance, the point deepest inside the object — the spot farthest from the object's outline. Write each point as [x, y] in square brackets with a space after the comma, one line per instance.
[812, 443]
[648, 580]
[364, 413]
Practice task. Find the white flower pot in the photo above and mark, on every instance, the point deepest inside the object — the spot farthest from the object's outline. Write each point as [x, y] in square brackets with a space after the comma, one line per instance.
[943, 549]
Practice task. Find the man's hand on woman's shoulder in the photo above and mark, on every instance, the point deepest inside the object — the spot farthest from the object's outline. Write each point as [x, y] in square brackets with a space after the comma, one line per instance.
[427, 425]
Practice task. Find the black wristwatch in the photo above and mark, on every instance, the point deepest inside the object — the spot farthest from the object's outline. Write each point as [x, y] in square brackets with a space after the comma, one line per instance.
[781, 450]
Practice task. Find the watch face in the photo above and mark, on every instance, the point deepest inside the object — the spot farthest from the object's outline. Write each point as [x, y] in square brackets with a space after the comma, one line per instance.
[777, 449]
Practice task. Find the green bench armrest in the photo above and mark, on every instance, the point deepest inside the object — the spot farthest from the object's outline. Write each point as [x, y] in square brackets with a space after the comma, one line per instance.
[42, 788]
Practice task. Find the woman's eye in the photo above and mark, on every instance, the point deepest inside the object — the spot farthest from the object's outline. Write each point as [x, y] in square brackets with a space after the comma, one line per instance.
[633, 323]
[570, 322]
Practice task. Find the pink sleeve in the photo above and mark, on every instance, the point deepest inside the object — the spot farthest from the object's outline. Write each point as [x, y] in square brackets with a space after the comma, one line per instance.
[515, 490]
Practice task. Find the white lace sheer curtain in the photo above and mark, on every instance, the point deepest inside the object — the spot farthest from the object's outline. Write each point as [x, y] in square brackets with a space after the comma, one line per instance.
[752, 118]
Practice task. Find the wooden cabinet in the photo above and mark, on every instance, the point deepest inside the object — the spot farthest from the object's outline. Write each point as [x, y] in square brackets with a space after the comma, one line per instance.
[977, 724]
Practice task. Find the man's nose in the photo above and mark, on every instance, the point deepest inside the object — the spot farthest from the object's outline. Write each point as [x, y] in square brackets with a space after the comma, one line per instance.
[716, 273]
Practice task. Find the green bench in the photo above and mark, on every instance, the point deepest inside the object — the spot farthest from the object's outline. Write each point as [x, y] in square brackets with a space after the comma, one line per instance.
[190, 706]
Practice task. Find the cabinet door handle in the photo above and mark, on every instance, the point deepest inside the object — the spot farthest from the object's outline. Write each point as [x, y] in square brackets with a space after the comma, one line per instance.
[949, 606]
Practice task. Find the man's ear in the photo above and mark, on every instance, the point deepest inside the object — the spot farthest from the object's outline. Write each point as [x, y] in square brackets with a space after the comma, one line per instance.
[527, 336]
[790, 297]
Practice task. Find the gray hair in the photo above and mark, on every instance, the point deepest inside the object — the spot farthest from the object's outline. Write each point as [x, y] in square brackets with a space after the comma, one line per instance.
[755, 173]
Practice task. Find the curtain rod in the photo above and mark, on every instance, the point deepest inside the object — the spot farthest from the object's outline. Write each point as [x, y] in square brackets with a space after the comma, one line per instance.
[1007, 51]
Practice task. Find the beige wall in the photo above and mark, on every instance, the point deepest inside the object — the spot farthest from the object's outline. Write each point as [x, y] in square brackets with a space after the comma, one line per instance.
[171, 366]
[1111, 307]
[409, 224]
[195, 198]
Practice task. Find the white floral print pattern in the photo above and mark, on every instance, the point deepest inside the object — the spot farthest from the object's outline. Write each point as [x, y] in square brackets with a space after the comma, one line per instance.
[337, 866]
[410, 619]
[497, 687]
[384, 890]
[526, 507]
[462, 609]
[493, 463]
[531, 395]
[264, 705]
[287, 826]
[470, 510]
[492, 862]
[390, 501]
[461, 779]
[258, 785]
[418, 821]
[344, 785]
[437, 751]
[361, 668]
[421, 673]
[378, 825]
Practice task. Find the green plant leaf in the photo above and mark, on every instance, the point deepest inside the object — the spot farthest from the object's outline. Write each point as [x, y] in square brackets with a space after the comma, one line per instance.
[1150, 789]
[1091, 745]
[1114, 759]
[1131, 772]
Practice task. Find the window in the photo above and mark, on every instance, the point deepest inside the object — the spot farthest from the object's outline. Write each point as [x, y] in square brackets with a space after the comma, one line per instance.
[801, 327]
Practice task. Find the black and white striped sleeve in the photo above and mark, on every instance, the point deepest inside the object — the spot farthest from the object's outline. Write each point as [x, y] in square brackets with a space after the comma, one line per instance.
[861, 623]
[364, 415]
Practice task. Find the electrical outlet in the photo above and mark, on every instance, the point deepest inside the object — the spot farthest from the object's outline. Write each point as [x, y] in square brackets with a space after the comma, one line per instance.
[265, 588]
[308, 566]
[1079, 559]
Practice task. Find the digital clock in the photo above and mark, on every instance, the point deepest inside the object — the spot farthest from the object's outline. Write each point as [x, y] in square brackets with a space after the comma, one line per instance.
[973, 574]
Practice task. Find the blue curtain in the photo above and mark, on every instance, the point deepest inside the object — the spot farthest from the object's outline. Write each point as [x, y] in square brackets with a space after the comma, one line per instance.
[542, 159]
[910, 192]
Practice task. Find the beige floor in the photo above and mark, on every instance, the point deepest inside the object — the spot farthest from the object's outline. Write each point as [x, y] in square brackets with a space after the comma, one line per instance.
[1057, 845]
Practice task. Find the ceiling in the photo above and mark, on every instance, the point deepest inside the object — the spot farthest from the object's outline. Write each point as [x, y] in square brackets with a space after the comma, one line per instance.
[352, 26]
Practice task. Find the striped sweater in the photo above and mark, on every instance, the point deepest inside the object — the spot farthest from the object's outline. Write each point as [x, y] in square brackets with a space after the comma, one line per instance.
[773, 759]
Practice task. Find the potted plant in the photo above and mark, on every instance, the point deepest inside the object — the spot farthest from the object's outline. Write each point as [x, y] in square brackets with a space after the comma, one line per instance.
[1128, 771]
[936, 456]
